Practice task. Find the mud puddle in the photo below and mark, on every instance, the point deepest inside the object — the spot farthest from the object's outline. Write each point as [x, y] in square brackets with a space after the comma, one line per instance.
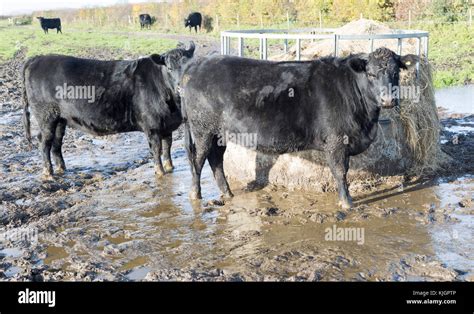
[131, 228]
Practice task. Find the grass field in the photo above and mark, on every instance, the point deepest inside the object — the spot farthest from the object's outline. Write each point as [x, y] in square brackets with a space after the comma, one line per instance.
[452, 54]
[75, 40]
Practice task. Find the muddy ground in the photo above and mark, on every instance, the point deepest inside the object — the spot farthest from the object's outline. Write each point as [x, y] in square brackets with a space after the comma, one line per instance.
[107, 218]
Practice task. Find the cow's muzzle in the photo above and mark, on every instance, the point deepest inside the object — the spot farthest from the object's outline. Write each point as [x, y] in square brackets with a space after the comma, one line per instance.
[179, 91]
[388, 102]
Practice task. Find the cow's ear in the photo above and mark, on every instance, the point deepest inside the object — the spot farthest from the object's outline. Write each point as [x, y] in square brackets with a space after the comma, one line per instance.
[358, 64]
[408, 61]
[158, 59]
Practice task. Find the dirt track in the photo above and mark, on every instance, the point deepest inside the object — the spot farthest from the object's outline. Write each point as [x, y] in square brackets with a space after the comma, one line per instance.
[107, 219]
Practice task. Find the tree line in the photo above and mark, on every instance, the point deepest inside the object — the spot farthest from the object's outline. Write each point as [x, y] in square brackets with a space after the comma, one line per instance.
[224, 13]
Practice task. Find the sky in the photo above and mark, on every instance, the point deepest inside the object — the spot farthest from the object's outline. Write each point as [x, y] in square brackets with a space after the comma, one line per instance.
[12, 7]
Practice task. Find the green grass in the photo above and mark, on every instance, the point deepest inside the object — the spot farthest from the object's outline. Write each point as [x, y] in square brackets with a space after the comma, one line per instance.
[452, 54]
[74, 41]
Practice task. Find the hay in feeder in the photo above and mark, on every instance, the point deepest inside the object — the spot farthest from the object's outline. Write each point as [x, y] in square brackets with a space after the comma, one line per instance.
[312, 49]
[408, 143]
[421, 124]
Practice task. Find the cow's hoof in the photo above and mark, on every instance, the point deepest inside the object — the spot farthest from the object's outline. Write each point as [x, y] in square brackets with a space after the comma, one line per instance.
[219, 202]
[195, 195]
[47, 176]
[345, 204]
[168, 166]
[227, 195]
[159, 172]
[60, 171]
[254, 186]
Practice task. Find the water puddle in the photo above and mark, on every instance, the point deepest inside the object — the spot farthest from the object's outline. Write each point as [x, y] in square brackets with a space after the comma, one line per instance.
[138, 274]
[457, 99]
[454, 128]
[164, 230]
[54, 253]
[11, 252]
[136, 262]
[453, 242]
[12, 271]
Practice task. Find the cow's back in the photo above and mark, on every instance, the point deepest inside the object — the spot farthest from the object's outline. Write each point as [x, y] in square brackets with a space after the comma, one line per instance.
[102, 91]
[57, 70]
[252, 96]
[295, 103]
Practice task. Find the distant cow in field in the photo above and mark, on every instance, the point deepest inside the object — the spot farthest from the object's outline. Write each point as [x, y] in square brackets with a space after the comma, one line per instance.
[136, 95]
[329, 104]
[50, 24]
[194, 20]
[145, 21]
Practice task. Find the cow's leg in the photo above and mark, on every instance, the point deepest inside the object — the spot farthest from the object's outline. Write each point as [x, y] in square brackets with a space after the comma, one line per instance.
[338, 161]
[154, 140]
[216, 161]
[48, 129]
[166, 143]
[198, 151]
[57, 145]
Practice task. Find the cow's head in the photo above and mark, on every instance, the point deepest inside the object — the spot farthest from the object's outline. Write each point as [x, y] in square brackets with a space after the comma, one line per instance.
[175, 61]
[187, 22]
[382, 70]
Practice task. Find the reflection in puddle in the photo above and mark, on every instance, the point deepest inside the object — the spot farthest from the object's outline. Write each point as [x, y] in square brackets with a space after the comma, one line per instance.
[11, 252]
[138, 261]
[12, 271]
[138, 274]
[54, 253]
[259, 225]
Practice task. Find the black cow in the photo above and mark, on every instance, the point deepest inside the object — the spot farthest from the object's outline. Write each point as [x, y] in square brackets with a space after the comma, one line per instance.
[145, 21]
[194, 20]
[330, 104]
[50, 24]
[137, 95]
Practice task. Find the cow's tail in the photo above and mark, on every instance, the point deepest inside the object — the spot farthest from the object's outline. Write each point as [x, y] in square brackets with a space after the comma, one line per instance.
[26, 108]
[188, 137]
